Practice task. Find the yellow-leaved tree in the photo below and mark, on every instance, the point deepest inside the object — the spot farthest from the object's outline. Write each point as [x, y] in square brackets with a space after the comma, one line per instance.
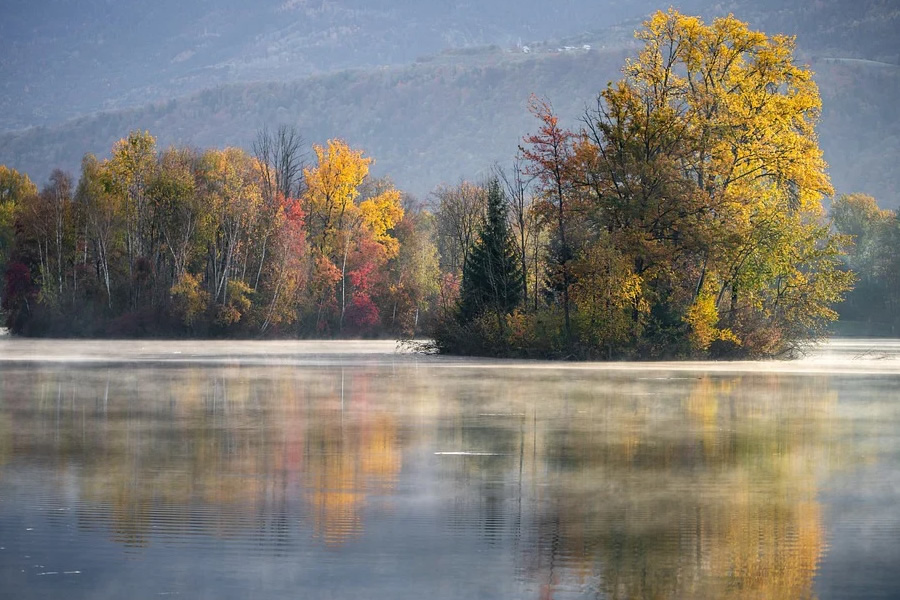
[345, 213]
[230, 186]
[15, 187]
[703, 166]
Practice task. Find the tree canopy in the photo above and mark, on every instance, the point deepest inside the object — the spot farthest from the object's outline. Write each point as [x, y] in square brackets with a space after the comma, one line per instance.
[685, 216]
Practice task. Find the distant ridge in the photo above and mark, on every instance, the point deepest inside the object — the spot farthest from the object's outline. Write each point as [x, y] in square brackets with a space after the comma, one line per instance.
[447, 115]
[453, 116]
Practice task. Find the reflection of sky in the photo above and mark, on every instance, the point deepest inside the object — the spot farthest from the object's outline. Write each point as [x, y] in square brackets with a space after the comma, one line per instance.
[862, 502]
[863, 512]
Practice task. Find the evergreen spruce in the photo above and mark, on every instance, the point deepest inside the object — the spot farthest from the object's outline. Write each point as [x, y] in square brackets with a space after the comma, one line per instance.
[492, 278]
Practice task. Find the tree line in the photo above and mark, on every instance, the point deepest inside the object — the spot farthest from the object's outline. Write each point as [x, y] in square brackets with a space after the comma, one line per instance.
[872, 307]
[215, 242]
[683, 217]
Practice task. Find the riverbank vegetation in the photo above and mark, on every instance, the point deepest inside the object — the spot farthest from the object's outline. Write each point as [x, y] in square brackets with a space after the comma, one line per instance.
[683, 217]
[215, 242]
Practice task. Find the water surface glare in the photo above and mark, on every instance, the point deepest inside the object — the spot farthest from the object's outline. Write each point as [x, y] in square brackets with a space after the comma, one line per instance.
[351, 470]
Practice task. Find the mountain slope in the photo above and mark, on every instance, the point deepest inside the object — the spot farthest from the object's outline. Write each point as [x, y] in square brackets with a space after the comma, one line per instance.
[423, 124]
[60, 59]
[453, 116]
[449, 115]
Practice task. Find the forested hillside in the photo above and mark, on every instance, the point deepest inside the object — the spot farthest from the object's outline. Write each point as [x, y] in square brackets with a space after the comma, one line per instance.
[437, 120]
[60, 59]
[452, 116]
[211, 73]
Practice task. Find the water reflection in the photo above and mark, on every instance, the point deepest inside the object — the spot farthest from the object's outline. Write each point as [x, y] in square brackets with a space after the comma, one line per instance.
[666, 488]
[191, 450]
[708, 492]
[542, 484]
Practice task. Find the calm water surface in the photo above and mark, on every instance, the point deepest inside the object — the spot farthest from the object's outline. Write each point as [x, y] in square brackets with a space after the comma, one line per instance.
[348, 470]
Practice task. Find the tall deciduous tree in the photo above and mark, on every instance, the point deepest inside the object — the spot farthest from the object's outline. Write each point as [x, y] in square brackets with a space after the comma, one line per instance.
[460, 213]
[133, 167]
[102, 206]
[704, 165]
[341, 220]
[874, 255]
[15, 280]
[281, 161]
[524, 219]
[414, 272]
[15, 187]
[549, 154]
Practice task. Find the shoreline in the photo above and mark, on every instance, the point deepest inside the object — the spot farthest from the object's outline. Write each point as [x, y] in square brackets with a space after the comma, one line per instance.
[870, 356]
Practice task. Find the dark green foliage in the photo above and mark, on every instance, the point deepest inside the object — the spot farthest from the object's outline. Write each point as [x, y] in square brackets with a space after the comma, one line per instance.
[492, 279]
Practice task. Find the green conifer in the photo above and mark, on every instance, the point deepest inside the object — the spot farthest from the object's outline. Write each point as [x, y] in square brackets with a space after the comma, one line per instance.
[492, 278]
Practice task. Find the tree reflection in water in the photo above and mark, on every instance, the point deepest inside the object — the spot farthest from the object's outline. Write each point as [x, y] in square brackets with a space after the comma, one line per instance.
[709, 492]
[601, 483]
[219, 452]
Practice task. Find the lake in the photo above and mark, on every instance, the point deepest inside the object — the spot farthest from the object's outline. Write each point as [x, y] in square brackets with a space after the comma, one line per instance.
[354, 470]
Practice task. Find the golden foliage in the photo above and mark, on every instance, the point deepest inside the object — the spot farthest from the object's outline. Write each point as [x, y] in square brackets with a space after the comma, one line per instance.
[608, 295]
[332, 188]
[190, 300]
[379, 215]
[703, 317]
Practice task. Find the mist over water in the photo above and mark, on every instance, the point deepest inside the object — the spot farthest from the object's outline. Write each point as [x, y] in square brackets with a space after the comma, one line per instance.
[352, 469]
[845, 355]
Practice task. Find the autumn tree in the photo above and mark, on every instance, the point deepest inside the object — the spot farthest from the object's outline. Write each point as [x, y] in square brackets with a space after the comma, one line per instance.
[230, 186]
[460, 212]
[859, 217]
[414, 272]
[286, 271]
[132, 168]
[280, 157]
[704, 165]
[347, 228]
[180, 216]
[96, 194]
[46, 223]
[874, 256]
[15, 189]
[549, 155]
[525, 220]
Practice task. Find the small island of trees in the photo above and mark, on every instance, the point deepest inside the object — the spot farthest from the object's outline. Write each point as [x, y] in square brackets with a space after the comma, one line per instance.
[683, 218]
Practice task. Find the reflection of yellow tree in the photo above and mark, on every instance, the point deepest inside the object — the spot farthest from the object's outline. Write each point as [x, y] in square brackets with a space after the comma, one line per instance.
[714, 497]
[380, 456]
[349, 457]
[336, 502]
[770, 539]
